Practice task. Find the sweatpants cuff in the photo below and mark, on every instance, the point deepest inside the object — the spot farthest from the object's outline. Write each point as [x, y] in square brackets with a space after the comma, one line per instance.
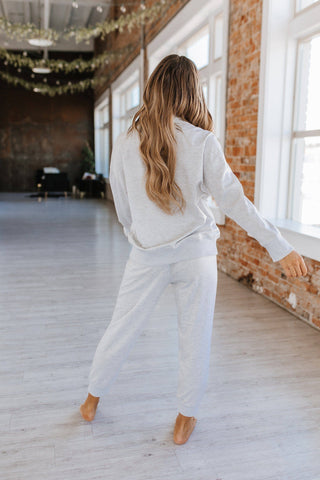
[96, 393]
[189, 411]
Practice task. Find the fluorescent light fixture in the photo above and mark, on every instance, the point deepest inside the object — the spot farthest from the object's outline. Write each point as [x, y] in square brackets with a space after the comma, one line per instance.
[40, 42]
[41, 70]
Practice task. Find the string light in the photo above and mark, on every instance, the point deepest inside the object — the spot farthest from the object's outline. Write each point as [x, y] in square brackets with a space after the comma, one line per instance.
[59, 65]
[141, 14]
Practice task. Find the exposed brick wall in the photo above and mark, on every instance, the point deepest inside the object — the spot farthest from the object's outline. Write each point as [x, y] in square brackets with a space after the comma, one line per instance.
[241, 256]
[38, 131]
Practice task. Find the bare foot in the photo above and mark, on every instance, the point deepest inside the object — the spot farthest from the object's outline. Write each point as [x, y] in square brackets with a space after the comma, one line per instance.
[89, 407]
[183, 428]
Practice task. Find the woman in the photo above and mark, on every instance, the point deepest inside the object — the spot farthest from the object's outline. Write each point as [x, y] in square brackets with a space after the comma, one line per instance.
[162, 172]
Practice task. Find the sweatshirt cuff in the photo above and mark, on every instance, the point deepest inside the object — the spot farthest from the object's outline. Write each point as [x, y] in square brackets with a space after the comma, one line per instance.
[279, 248]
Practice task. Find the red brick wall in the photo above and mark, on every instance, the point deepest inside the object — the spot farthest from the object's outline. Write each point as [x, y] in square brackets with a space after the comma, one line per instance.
[38, 131]
[241, 256]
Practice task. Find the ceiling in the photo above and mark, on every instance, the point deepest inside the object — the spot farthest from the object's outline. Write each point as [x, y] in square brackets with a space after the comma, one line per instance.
[55, 14]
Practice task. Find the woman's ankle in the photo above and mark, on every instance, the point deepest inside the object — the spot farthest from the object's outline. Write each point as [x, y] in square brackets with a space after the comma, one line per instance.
[92, 399]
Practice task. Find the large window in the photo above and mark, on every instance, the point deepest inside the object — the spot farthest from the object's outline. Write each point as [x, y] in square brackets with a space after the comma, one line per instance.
[205, 48]
[288, 150]
[129, 101]
[197, 48]
[126, 93]
[305, 156]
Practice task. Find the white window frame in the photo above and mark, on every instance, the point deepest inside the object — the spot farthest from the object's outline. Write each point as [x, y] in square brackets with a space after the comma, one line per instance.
[282, 29]
[297, 10]
[99, 133]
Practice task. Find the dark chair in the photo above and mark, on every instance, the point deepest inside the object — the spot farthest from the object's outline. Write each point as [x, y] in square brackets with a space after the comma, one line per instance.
[52, 183]
[93, 188]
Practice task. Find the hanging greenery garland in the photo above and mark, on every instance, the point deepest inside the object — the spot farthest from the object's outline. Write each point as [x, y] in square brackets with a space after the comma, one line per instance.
[23, 31]
[143, 15]
[51, 90]
[55, 65]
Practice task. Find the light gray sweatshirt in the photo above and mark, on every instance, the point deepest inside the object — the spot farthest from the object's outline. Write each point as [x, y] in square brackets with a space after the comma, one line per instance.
[201, 171]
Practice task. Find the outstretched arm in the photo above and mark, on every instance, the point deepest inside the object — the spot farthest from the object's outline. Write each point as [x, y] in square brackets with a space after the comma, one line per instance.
[224, 186]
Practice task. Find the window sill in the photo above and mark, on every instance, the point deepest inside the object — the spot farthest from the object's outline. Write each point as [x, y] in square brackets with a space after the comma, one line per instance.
[304, 238]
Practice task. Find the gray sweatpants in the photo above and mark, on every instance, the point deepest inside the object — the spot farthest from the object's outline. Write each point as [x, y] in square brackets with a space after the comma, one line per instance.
[194, 282]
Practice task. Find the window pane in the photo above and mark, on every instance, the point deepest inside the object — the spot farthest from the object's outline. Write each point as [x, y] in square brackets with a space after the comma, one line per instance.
[308, 81]
[106, 114]
[218, 37]
[301, 4]
[133, 96]
[100, 121]
[198, 49]
[306, 192]
[205, 91]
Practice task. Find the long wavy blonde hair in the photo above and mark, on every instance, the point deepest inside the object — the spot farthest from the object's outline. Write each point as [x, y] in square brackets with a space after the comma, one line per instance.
[173, 89]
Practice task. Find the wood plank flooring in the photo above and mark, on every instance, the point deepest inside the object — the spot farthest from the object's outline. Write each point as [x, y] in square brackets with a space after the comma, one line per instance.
[61, 264]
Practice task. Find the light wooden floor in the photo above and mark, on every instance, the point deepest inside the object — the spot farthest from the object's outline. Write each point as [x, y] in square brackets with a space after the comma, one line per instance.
[61, 266]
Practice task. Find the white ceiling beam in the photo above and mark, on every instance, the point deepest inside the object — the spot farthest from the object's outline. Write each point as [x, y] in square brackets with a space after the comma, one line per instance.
[68, 17]
[27, 12]
[89, 18]
[46, 14]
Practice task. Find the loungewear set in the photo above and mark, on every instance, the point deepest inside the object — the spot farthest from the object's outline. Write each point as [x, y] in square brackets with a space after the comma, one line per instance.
[177, 249]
